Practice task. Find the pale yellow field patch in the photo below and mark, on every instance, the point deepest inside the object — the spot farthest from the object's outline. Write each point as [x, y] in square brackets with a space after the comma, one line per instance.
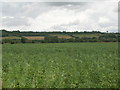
[35, 37]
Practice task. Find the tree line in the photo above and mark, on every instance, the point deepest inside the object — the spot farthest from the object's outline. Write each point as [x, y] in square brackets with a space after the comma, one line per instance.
[5, 33]
[104, 37]
[55, 39]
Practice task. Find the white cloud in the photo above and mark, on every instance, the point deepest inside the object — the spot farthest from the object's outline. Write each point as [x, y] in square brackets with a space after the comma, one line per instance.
[103, 20]
[7, 17]
[100, 16]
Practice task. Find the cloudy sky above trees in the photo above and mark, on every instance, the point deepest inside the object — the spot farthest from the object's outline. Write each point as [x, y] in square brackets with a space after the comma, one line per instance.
[60, 16]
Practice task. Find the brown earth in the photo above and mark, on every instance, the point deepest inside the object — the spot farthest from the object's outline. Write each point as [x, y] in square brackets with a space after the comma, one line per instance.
[35, 37]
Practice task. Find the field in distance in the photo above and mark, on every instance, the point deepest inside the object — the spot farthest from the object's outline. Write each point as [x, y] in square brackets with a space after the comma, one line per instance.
[59, 35]
[60, 65]
[37, 37]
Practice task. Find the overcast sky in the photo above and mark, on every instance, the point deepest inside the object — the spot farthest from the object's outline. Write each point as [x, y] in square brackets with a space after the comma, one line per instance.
[60, 16]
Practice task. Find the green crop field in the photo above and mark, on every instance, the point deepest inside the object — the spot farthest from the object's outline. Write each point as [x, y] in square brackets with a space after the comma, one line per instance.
[62, 36]
[11, 37]
[60, 65]
[87, 35]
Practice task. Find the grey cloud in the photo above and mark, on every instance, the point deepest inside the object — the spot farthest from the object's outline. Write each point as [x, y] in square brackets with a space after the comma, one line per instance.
[74, 23]
[34, 9]
[57, 27]
[15, 22]
[11, 9]
[108, 24]
[118, 10]
[31, 9]
[78, 6]
[65, 26]
[66, 3]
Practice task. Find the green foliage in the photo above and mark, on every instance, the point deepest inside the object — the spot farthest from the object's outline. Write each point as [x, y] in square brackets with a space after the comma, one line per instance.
[109, 38]
[51, 39]
[59, 37]
[30, 33]
[23, 40]
[60, 65]
[12, 41]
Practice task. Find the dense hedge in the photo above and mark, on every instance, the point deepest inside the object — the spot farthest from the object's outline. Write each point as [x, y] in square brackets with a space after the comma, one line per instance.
[104, 37]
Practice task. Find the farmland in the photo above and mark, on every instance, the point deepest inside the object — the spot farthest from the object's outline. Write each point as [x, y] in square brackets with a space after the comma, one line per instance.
[35, 37]
[86, 35]
[61, 36]
[14, 37]
[60, 65]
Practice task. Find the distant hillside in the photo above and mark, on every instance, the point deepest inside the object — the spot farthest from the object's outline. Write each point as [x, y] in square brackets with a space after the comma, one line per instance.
[57, 37]
[30, 33]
